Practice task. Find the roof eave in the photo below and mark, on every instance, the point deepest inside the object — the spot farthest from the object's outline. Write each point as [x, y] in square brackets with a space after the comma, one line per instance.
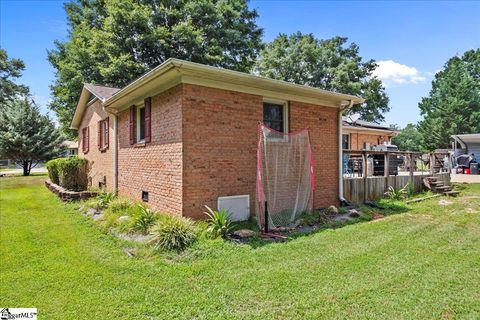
[176, 71]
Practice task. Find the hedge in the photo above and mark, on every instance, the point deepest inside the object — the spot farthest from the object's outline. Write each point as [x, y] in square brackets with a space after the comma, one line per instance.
[70, 173]
[52, 167]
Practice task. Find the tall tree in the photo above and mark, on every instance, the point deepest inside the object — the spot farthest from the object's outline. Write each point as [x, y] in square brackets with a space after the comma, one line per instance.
[330, 64]
[409, 139]
[453, 105]
[10, 69]
[27, 136]
[112, 42]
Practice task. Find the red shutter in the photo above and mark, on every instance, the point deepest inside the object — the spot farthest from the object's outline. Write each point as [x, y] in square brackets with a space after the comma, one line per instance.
[99, 142]
[148, 122]
[83, 139]
[88, 139]
[107, 133]
[133, 126]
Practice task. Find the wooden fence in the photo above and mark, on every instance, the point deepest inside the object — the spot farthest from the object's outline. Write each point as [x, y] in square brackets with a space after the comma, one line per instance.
[366, 187]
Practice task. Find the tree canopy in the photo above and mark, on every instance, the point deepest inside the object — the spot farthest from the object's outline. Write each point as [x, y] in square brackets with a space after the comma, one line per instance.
[409, 139]
[112, 42]
[330, 64]
[10, 70]
[453, 105]
[27, 136]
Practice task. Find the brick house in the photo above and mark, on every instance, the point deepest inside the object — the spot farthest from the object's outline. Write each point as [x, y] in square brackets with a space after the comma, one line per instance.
[185, 134]
[360, 134]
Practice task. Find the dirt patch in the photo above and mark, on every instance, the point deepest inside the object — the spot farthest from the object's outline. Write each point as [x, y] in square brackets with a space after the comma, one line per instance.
[377, 216]
[444, 202]
[471, 210]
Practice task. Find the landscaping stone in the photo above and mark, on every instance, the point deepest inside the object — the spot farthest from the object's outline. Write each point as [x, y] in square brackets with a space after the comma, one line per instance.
[91, 212]
[67, 195]
[123, 219]
[353, 213]
[131, 252]
[332, 209]
[244, 233]
[97, 217]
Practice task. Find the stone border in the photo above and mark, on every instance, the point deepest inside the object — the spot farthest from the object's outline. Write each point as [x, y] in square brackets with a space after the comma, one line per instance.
[67, 195]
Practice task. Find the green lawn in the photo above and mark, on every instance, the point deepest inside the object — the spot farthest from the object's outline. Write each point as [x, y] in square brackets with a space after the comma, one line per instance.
[422, 264]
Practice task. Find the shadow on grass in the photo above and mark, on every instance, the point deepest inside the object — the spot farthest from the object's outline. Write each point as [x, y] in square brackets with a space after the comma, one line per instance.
[371, 211]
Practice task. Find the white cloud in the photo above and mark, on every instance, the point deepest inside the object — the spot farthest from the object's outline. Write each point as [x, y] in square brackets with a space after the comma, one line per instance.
[391, 72]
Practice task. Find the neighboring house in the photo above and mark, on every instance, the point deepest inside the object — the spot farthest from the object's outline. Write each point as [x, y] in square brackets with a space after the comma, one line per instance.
[71, 147]
[361, 135]
[185, 134]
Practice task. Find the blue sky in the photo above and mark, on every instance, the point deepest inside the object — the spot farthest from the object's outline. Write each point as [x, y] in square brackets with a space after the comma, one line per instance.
[411, 40]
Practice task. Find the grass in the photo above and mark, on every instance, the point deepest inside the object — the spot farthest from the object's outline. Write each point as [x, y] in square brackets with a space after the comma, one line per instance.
[421, 264]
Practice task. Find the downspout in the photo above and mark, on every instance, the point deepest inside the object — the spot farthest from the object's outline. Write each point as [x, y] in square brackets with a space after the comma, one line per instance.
[340, 151]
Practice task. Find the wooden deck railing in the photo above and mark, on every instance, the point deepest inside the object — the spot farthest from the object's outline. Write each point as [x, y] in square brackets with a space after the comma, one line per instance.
[368, 174]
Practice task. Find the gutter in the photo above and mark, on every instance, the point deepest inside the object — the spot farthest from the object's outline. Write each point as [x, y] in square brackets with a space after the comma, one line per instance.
[115, 154]
[340, 151]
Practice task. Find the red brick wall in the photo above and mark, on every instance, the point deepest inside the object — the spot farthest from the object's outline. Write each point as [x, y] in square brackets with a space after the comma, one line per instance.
[358, 139]
[220, 141]
[101, 162]
[322, 124]
[157, 166]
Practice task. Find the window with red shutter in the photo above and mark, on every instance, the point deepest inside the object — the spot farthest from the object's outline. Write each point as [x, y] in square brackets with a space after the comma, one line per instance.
[103, 135]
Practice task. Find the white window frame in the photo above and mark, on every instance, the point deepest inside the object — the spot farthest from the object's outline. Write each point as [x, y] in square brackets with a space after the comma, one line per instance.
[286, 110]
[138, 120]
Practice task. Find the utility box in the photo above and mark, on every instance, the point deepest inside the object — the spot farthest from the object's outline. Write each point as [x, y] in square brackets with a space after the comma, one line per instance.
[237, 206]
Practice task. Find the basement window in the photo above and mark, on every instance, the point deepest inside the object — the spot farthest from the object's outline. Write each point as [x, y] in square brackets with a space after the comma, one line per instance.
[145, 196]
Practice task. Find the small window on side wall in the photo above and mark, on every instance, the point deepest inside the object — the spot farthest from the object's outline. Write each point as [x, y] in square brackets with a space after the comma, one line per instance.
[275, 116]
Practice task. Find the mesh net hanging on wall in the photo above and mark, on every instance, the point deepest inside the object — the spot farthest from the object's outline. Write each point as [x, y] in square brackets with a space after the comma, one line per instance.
[285, 181]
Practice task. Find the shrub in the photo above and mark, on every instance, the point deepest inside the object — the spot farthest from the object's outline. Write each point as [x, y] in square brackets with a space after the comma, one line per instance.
[52, 167]
[396, 194]
[173, 233]
[219, 224]
[73, 173]
[119, 205]
[104, 199]
[143, 219]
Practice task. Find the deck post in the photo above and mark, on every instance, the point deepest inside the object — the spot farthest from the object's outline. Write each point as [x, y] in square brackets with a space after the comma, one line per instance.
[365, 173]
[432, 162]
[386, 169]
[412, 166]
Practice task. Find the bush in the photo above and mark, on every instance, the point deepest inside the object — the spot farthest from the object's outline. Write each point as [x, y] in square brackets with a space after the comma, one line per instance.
[104, 199]
[219, 224]
[52, 167]
[73, 173]
[143, 219]
[118, 205]
[396, 194]
[173, 233]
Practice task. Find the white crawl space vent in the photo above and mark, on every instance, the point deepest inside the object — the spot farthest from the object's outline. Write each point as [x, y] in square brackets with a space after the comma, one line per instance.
[238, 206]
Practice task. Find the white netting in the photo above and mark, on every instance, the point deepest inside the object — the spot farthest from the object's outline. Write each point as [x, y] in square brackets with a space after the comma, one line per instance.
[285, 180]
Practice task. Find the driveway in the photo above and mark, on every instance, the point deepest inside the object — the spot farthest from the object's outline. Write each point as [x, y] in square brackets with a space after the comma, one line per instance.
[465, 178]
